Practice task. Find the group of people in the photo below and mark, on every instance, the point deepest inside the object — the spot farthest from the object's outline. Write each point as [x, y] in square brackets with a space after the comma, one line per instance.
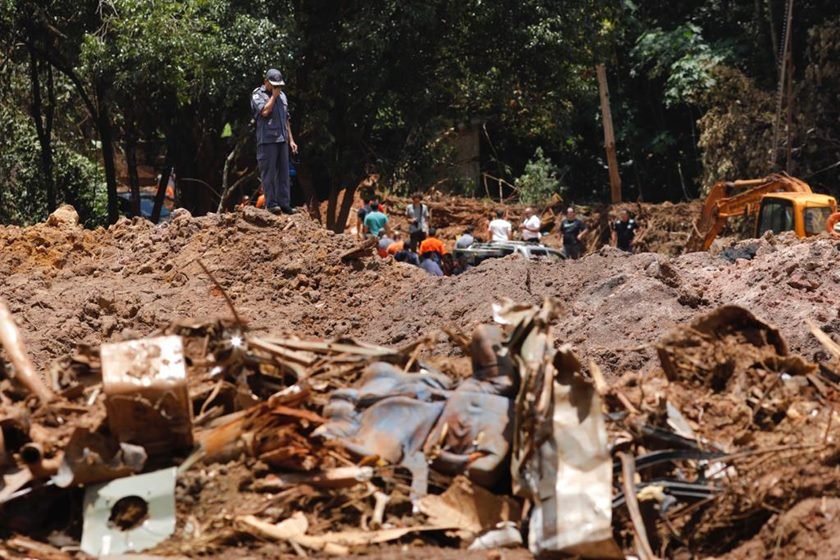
[424, 249]
[421, 248]
[622, 233]
[500, 229]
[274, 140]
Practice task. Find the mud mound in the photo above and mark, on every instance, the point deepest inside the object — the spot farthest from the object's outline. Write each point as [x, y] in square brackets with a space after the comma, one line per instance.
[616, 304]
[71, 286]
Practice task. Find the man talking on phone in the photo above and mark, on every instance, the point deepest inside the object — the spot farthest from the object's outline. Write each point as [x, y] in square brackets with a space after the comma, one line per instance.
[270, 109]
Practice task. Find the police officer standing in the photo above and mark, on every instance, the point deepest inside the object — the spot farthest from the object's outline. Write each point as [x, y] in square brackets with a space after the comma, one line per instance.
[624, 231]
[270, 109]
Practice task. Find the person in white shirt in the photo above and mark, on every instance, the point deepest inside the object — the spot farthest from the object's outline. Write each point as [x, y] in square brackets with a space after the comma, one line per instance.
[419, 218]
[530, 227]
[499, 228]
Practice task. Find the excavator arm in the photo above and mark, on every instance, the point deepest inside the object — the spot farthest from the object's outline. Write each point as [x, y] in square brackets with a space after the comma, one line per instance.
[728, 199]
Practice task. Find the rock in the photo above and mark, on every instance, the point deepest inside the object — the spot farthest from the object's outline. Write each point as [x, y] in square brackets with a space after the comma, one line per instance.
[181, 215]
[800, 282]
[107, 326]
[64, 217]
[258, 216]
[106, 304]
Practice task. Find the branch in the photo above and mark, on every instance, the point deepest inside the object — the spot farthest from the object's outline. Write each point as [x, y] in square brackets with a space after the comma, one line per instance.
[68, 72]
[24, 370]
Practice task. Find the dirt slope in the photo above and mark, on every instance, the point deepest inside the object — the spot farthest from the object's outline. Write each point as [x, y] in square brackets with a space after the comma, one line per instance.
[68, 285]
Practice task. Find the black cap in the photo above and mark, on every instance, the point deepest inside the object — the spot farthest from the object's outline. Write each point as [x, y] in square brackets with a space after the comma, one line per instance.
[274, 77]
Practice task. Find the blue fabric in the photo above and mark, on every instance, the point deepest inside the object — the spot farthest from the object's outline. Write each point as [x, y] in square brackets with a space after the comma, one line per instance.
[273, 161]
[430, 266]
[271, 129]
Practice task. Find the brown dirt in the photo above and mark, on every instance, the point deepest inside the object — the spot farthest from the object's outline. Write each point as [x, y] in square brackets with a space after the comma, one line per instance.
[69, 286]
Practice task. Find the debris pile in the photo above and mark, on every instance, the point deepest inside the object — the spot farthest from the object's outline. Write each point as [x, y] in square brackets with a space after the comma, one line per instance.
[665, 227]
[329, 424]
[284, 414]
[731, 432]
[330, 447]
[69, 286]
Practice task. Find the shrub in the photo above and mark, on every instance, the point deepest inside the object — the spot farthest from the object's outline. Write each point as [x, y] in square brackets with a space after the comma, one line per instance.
[539, 181]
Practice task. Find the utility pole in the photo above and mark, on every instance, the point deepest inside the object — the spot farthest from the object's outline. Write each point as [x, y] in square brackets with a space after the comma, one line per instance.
[609, 135]
[785, 64]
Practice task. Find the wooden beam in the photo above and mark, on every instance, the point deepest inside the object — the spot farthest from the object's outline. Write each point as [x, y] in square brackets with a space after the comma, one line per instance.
[609, 135]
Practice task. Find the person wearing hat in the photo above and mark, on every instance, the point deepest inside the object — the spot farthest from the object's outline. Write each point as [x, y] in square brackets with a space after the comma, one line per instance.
[274, 140]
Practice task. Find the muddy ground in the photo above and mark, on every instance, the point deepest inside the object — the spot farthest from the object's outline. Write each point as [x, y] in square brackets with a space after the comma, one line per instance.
[69, 286]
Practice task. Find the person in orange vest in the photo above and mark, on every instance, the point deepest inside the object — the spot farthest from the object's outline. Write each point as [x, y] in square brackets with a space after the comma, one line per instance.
[433, 246]
[398, 244]
[260, 198]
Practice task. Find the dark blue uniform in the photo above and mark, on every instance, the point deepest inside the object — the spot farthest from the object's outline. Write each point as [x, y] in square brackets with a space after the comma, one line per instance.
[570, 230]
[272, 147]
[624, 234]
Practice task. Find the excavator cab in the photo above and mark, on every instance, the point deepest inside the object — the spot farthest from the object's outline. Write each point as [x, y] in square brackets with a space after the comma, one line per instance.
[779, 203]
[805, 214]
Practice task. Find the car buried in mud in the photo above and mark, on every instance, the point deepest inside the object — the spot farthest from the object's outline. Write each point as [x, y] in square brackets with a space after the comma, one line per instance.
[478, 252]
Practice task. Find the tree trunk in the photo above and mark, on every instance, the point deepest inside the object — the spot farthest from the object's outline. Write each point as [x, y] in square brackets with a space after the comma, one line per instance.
[774, 37]
[106, 138]
[43, 125]
[225, 189]
[165, 173]
[131, 163]
[346, 205]
[306, 183]
[332, 205]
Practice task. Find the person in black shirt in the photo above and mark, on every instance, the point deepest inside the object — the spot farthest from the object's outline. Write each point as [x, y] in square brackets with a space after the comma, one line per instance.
[572, 229]
[623, 231]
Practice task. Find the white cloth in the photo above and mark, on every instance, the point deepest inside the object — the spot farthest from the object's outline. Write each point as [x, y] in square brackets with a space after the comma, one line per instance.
[532, 228]
[500, 229]
[420, 214]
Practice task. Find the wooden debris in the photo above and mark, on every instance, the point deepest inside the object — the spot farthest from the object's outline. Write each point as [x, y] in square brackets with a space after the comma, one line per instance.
[12, 341]
[628, 474]
[337, 543]
[365, 249]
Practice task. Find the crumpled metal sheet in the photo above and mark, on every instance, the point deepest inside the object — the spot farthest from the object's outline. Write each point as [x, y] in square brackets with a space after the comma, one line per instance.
[560, 459]
[90, 457]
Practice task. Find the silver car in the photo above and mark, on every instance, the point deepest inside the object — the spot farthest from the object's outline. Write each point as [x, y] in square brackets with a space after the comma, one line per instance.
[478, 252]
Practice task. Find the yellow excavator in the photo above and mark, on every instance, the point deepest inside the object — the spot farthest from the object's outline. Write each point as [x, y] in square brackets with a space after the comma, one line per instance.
[779, 203]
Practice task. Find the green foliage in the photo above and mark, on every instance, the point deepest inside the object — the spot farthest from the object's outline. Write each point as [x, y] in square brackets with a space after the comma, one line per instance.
[539, 181]
[165, 54]
[736, 131]
[682, 57]
[80, 182]
[375, 86]
[816, 140]
[23, 198]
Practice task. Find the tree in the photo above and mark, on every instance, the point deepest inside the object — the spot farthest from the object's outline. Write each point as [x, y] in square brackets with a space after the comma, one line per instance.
[539, 180]
[181, 71]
